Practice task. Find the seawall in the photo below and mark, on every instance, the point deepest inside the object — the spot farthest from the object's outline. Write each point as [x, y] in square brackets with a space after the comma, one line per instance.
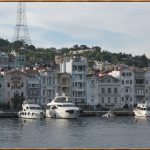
[117, 113]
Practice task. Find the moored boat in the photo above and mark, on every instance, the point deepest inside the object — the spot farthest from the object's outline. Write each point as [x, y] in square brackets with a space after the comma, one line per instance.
[31, 111]
[61, 107]
[109, 114]
[142, 110]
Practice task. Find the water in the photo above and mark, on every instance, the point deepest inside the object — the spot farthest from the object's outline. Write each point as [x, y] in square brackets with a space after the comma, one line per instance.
[85, 132]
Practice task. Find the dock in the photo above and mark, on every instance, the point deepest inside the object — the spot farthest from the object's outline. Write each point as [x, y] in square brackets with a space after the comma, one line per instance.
[8, 114]
[100, 113]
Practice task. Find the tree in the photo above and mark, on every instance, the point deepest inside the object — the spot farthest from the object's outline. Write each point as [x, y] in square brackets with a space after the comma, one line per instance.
[17, 102]
[17, 45]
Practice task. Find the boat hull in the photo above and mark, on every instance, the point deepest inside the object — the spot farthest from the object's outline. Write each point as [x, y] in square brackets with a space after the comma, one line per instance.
[31, 115]
[63, 114]
[141, 113]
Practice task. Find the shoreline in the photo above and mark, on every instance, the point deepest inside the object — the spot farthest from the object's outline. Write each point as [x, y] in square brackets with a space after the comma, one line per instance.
[84, 114]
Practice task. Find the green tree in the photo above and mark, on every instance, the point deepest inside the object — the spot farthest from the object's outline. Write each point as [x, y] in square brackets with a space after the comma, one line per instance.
[16, 102]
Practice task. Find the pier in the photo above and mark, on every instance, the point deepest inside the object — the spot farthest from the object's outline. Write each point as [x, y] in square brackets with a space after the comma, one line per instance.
[99, 113]
[8, 114]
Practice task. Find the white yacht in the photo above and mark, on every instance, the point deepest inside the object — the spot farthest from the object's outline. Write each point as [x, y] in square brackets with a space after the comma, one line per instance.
[31, 111]
[61, 107]
[142, 110]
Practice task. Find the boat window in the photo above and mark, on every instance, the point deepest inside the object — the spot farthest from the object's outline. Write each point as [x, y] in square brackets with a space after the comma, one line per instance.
[59, 105]
[60, 99]
[53, 107]
[27, 107]
[69, 105]
[32, 107]
[38, 108]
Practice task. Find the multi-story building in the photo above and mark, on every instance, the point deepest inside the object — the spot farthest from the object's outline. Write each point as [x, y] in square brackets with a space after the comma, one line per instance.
[103, 66]
[33, 88]
[104, 91]
[126, 77]
[2, 89]
[15, 84]
[48, 85]
[147, 85]
[20, 59]
[64, 84]
[139, 83]
[77, 67]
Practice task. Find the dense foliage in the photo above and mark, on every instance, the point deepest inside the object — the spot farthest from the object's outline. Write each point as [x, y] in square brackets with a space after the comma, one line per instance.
[38, 55]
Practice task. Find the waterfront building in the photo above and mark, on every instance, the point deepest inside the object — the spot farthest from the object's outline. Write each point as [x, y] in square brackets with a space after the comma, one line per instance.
[15, 84]
[1, 88]
[139, 83]
[77, 67]
[64, 84]
[127, 89]
[104, 91]
[48, 85]
[33, 86]
[147, 85]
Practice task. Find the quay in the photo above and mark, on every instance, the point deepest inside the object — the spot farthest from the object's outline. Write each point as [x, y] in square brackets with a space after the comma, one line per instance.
[100, 113]
[8, 114]
[85, 113]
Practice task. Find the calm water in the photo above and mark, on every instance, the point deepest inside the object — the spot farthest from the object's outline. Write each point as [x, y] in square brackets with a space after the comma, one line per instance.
[87, 132]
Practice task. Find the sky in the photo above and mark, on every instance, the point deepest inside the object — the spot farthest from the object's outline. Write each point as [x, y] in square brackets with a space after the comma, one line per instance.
[113, 26]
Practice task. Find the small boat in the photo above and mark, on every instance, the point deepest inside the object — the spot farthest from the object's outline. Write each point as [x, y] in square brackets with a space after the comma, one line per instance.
[109, 114]
[142, 110]
[31, 111]
[61, 107]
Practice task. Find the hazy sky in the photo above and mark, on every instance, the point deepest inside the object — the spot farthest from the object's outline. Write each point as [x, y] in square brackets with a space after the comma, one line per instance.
[116, 27]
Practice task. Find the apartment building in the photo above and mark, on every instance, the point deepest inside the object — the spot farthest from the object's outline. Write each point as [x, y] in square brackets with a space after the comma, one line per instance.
[77, 67]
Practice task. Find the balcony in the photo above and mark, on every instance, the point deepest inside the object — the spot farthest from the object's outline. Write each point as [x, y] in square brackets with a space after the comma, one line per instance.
[16, 78]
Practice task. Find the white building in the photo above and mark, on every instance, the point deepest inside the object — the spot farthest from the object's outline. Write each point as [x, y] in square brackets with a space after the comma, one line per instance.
[77, 67]
[104, 91]
[33, 86]
[147, 85]
[127, 91]
[103, 66]
[139, 84]
[48, 85]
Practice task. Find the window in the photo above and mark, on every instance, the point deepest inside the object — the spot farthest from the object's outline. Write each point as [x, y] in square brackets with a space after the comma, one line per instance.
[0, 85]
[103, 90]
[122, 98]
[22, 94]
[43, 91]
[109, 90]
[122, 82]
[8, 94]
[92, 100]
[43, 81]
[130, 81]
[115, 90]
[21, 84]
[126, 90]
[8, 84]
[127, 81]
